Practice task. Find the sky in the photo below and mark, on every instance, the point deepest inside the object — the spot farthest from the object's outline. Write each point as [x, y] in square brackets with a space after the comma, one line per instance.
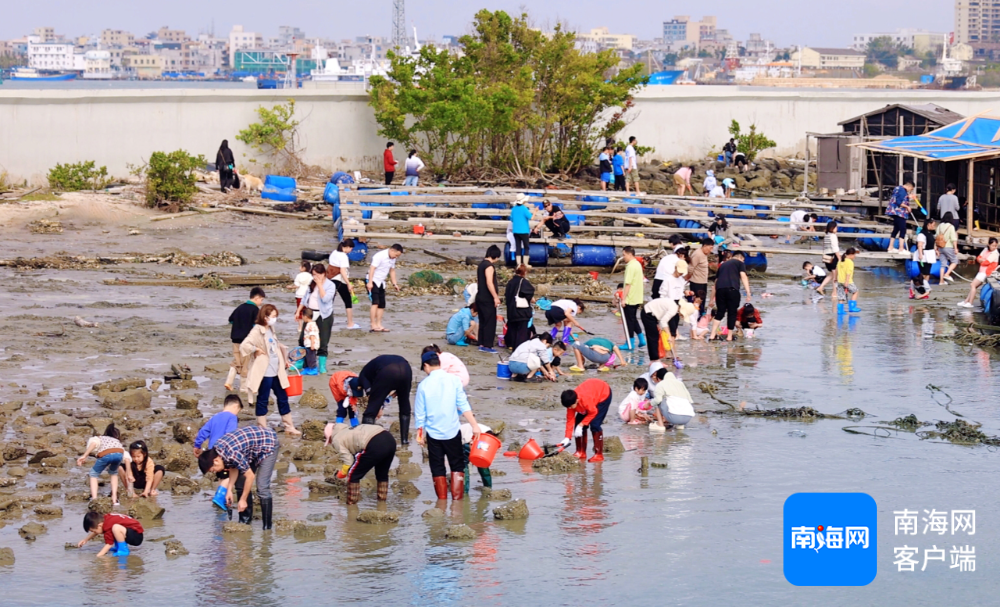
[808, 22]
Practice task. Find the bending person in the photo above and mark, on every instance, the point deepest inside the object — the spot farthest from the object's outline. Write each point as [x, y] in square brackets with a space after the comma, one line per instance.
[656, 317]
[598, 350]
[251, 451]
[382, 376]
[586, 406]
[361, 449]
[345, 396]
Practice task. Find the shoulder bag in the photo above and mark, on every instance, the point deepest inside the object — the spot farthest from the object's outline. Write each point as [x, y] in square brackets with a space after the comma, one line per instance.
[520, 302]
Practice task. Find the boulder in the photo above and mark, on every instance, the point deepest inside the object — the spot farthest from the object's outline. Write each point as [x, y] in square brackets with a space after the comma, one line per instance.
[176, 457]
[782, 181]
[312, 430]
[287, 525]
[758, 183]
[515, 510]
[375, 517]
[405, 488]
[120, 385]
[129, 400]
[497, 426]
[313, 399]
[145, 510]
[103, 505]
[184, 431]
[186, 402]
[56, 461]
[310, 533]
[48, 510]
[500, 495]
[308, 452]
[235, 527]
[7, 481]
[183, 384]
[563, 462]
[183, 485]
[319, 517]
[459, 532]
[433, 515]
[326, 488]
[613, 444]
[14, 452]
[6, 557]
[408, 469]
[31, 531]
[174, 548]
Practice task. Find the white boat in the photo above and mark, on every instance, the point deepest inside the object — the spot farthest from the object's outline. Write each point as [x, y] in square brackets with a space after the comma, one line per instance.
[360, 71]
[30, 73]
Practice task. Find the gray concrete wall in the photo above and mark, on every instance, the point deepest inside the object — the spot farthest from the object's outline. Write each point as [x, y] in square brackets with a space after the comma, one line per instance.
[39, 128]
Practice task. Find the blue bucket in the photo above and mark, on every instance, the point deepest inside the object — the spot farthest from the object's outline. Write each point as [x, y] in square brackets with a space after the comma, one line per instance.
[503, 370]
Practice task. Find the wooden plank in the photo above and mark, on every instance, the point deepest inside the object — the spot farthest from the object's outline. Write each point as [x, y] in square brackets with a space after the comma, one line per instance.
[271, 213]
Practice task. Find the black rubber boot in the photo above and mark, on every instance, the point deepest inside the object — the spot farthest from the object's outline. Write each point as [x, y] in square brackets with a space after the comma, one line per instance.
[246, 517]
[404, 429]
[266, 503]
[368, 419]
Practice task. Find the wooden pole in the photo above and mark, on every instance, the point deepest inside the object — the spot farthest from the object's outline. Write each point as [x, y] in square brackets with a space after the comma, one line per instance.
[968, 198]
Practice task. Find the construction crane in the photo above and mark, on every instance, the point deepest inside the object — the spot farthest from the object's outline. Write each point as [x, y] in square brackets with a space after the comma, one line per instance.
[399, 23]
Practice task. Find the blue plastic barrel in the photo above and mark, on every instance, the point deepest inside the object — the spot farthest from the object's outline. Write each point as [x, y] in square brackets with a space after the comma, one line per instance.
[593, 255]
[331, 193]
[359, 252]
[538, 255]
[691, 224]
[279, 181]
[755, 261]
[593, 207]
[575, 219]
[986, 298]
[913, 268]
[341, 178]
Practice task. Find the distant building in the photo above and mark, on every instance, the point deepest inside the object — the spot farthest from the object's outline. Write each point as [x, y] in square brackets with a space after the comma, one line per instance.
[50, 55]
[919, 40]
[165, 34]
[144, 66]
[97, 64]
[829, 58]
[975, 23]
[287, 35]
[117, 39]
[605, 39]
[175, 59]
[757, 47]
[241, 40]
[681, 29]
[45, 34]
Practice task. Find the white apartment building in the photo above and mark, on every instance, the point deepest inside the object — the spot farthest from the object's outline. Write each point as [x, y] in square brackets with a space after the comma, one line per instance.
[97, 64]
[240, 40]
[50, 55]
[919, 40]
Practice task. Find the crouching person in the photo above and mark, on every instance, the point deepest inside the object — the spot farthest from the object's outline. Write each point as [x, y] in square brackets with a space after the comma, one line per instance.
[362, 448]
[484, 473]
[586, 407]
[119, 532]
[251, 452]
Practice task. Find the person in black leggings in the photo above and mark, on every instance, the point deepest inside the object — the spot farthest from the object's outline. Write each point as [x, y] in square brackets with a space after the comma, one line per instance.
[380, 377]
[731, 274]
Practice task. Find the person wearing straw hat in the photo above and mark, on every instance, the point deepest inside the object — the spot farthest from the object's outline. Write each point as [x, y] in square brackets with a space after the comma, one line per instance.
[520, 219]
[441, 402]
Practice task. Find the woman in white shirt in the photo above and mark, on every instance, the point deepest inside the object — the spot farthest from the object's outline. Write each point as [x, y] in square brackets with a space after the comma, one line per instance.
[413, 167]
[340, 268]
[925, 257]
[831, 255]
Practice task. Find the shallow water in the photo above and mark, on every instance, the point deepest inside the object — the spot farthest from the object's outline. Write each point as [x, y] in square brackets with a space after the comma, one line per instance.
[708, 529]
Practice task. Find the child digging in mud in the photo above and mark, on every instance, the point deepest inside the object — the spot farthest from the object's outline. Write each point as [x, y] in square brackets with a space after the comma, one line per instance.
[141, 473]
[119, 532]
[109, 452]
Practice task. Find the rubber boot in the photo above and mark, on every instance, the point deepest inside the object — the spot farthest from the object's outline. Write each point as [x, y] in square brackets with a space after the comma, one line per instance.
[581, 446]
[354, 422]
[246, 517]
[322, 365]
[353, 493]
[840, 309]
[853, 307]
[487, 476]
[457, 486]
[368, 419]
[468, 477]
[441, 487]
[382, 491]
[121, 549]
[627, 345]
[340, 420]
[297, 365]
[310, 371]
[598, 447]
[642, 340]
[404, 429]
[220, 498]
[266, 510]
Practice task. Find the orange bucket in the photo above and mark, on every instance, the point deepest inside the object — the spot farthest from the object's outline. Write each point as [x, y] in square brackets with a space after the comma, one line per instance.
[530, 450]
[294, 383]
[484, 450]
[594, 275]
[418, 229]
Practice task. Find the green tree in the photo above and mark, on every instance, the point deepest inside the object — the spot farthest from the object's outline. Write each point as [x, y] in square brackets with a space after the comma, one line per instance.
[883, 50]
[512, 101]
[751, 142]
[276, 138]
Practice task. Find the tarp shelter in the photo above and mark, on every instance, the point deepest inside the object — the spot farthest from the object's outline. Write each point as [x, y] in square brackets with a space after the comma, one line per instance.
[966, 153]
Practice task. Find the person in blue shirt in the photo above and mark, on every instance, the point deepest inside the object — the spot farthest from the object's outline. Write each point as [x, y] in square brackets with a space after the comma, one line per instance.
[899, 211]
[462, 327]
[618, 164]
[520, 218]
[219, 425]
[604, 160]
[441, 400]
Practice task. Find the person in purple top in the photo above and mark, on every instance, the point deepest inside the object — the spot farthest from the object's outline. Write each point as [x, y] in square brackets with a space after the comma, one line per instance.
[220, 424]
[899, 210]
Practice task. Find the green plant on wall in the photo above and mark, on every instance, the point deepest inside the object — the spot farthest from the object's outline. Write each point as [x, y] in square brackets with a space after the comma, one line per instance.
[750, 143]
[170, 177]
[78, 176]
[276, 138]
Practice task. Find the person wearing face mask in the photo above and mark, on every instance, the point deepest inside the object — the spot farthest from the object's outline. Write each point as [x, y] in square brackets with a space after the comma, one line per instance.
[268, 363]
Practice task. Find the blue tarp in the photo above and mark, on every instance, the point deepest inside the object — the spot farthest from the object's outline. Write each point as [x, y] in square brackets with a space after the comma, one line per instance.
[969, 138]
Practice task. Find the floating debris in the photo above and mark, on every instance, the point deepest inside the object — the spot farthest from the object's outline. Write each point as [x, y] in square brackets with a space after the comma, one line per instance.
[960, 432]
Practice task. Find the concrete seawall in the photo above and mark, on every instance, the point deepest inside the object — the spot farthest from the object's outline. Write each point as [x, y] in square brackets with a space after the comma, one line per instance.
[39, 128]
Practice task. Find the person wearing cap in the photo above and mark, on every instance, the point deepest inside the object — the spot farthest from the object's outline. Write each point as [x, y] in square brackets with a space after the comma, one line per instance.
[656, 317]
[379, 379]
[520, 219]
[440, 405]
[556, 221]
[360, 449]
[710, 182]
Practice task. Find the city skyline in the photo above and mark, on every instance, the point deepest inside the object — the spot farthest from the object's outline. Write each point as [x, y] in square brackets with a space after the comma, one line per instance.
[777, 20]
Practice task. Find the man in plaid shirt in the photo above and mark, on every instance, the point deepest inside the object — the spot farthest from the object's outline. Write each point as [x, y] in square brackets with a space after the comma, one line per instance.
[252, 451]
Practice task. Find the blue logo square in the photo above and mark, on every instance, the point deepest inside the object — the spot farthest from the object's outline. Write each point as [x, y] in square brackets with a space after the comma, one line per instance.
[830, 539]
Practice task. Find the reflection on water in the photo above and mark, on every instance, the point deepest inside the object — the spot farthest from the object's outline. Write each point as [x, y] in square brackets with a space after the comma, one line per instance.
[707, 529]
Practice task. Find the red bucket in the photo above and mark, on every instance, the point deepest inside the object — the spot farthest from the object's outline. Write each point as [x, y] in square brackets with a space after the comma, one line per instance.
[294, 383]
[418, 229]
[594, 275]
[484, 450]
[530, 450]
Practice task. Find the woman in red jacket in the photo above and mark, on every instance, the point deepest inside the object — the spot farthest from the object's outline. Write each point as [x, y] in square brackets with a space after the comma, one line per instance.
[587, 405]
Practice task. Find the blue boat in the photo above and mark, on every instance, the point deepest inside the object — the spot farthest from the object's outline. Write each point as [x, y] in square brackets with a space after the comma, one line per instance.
[32, 74]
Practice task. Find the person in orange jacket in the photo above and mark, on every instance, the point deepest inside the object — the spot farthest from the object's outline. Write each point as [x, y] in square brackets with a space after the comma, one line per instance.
[345, 396]
[586, 406]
